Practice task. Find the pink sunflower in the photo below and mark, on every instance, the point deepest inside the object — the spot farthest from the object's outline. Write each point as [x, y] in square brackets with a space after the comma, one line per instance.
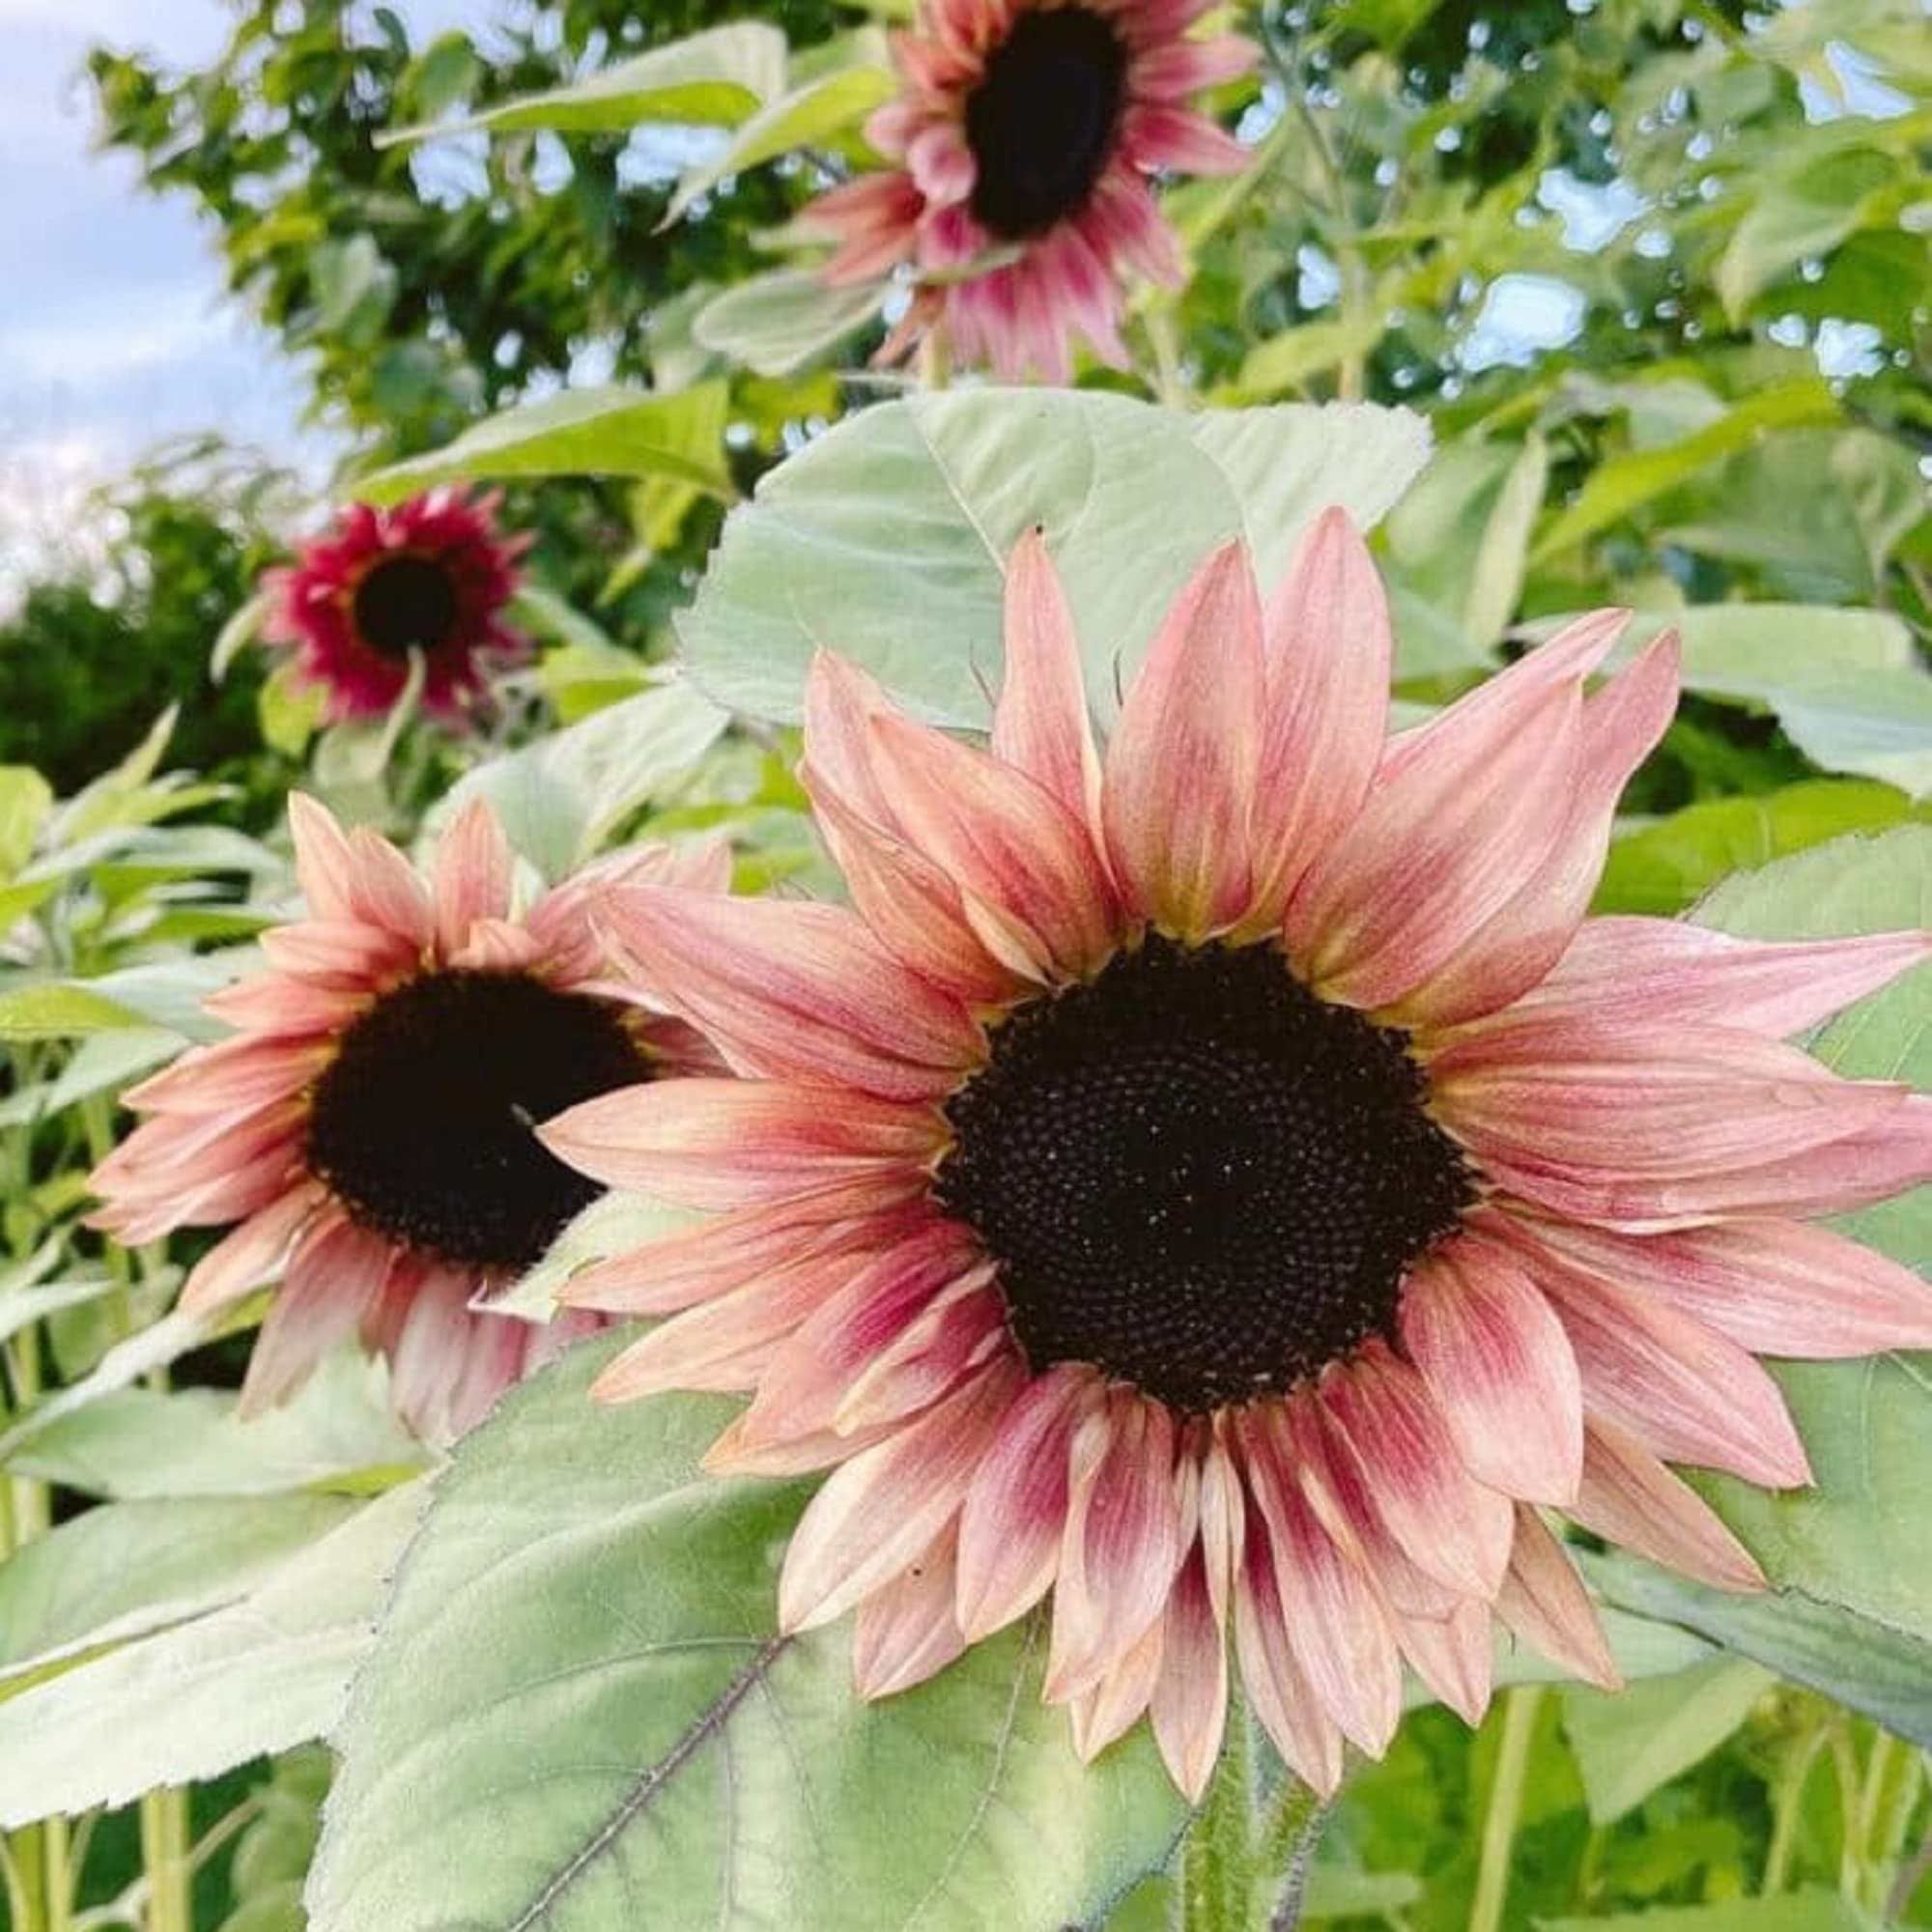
[431, 576]
[1026, 134]
[370, 1126]
[1228, 1183]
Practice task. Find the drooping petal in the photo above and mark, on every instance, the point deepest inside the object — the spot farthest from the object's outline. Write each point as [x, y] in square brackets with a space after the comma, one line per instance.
[1544, 1602]
[1327, 654]
[1040, 724]
[906, 1631]
[879, 1511]
[1500, 1368]
[1190, 1694]
[1454, 1655]
[1629, 1497]
[248, 1256]
[725, 1144]
[1108, 1708]
[794, 991]
[1181, 762]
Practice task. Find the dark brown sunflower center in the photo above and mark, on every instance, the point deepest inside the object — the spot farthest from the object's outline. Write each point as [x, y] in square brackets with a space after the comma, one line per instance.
[1041, 122]
[406, 604]
[423, 1123]
[1197, 1175]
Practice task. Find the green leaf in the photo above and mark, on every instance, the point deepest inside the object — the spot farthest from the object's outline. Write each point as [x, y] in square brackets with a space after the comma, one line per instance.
[608, 432]
[1626, 483]
[128, 1569]
[559, 799]
[612, 1224]
[1287, 361]
[26, 801]
[1791, 1911]
[777, 322]
[823, 107]
[586, 1607]
[887, 538]
[262, 1674]
[59, 1009]
[716, 78]
[237, 633]
[1630, 1742]
[290, 709]
[1665, 865]
[1804, 211]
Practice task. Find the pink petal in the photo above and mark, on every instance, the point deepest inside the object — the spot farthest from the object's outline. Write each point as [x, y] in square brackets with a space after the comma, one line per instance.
[726, 1144]
[1329, 651]
[1181, 68]
[1450, 1524]
[941, 164]
[1454, 1655]
[1190, 1696]
[429, 1355]
[1544, 1602]
[791, 990]
[324, 867]
[385, 890]
[1121, 1545]
[330, 1280]
[1182, 763]
[1657, 971]
[229, 1077]
[1685, 1392]
[1282, 1697]
[1015, 1510]
[474, 873]
[1156, 137]
[1517, 946]
[879, 1511]
[1630, 1497]
[1775, 1288]
[1501, 1368]
[907, 1631]
[1109, 1708]
[245, 1259]
[1040, 723]
[274, 1005]
[338, 954]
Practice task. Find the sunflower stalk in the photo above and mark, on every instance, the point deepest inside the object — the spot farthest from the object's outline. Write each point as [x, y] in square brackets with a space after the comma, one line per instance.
[1505, 1807]
[1217, 1856]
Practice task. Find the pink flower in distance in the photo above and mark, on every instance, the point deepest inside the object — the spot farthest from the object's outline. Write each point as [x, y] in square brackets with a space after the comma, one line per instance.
[431, 576]
[1025, 136]
[1227, 1183]
[370, 1125]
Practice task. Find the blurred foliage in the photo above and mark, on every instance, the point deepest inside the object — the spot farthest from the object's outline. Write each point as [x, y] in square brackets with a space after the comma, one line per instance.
[123, 629]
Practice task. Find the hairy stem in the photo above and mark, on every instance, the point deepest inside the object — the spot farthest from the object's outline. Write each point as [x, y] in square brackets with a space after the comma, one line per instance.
[1218, 1855]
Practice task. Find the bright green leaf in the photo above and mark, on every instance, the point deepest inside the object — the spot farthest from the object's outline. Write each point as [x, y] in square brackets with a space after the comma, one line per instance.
[58, 1010]
[1804, 211]
[1792, 1911]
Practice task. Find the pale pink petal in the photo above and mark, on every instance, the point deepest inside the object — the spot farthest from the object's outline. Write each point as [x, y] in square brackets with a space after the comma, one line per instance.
[1328, 650]
[502, 945]
[1519, 945]
[1501, 1371]
[1659, 972]
[339, 953]
[1630, 1497]
[474, 869]
[1454, 1655]
[1110, 1707]
[1451, 1525]
[252, 1253]
[1159, 136]
[1015, 1510]
[941, 164]
[801, 1456]
[330, 1279]
[906, 1631]
[274, 1005]
[387, 891]
[495, 1349]
[231, 1075]
[1684, 1391]
[961, 1330]
[430, 1354]
[1040, 724]
[1181, 68]
[1121, 1545]
[1544, 1602]
[877, 1512]
[791, 990]
[325, 866]
[725, 1144]
[1181, 762]
[1777, 1288]
[1190, 1696]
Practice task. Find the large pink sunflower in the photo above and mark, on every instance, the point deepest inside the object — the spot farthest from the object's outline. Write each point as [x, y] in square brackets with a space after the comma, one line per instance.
[1229, 1182]
[430, 576]
[371, 1124]
[1026, 134]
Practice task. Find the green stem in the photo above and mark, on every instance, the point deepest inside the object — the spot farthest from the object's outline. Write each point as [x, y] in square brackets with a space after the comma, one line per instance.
[1786, 1803]
[1293, 1833]
[1218, 1855]
[164, 1856]
[1505, 1807]
[61, 1872]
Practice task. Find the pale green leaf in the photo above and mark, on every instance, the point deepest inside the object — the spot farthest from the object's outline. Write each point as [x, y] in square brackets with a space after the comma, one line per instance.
[1628, 1742]
[614, 1223]
[586, 1605]
[718, 77]
[1803, 211]
[59, 1009]
[1791, 1911]
[259, 1675]
[290, 709]
[777, 322]
[886, 540]
[1286, 361]
[237, 633]
[26, 801]
[604, 432]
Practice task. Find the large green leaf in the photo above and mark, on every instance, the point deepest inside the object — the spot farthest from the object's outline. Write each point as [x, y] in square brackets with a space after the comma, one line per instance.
[261, 1674]
[778, 321]
[1792, 1911]
[608, 432]
[1806, 211]
[886, 540]
[718, 76]
[131, 1568]
[578, 1716]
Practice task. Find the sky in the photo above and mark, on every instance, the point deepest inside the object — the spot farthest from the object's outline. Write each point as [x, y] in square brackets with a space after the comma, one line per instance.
[114, 331]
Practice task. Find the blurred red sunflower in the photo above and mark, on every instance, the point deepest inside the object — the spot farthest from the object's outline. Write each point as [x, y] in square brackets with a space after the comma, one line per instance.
[431, 576]
[1229, 1183]
[1026, 133]
[371, 1125]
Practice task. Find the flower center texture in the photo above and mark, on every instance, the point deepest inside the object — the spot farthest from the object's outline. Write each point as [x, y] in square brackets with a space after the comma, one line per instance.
[1041, 122]
[423, 1125]
[1198, 1176]
[406, 604]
